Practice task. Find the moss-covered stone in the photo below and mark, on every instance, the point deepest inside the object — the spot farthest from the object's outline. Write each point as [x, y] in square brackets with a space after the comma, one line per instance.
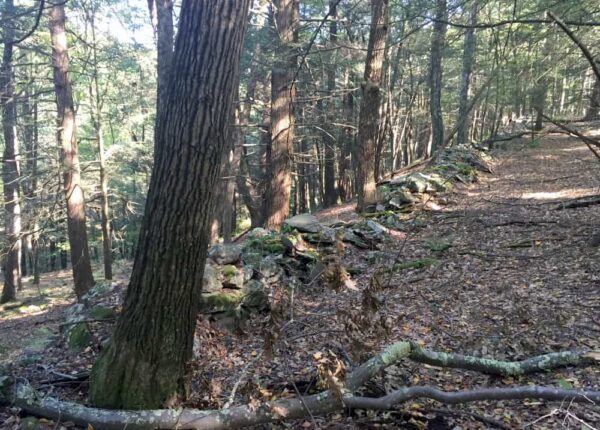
[79, 337]
[220, 301]
[102, 312]
[229, 271]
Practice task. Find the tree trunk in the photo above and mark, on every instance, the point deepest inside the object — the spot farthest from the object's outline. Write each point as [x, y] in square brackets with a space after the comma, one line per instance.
[538, 101]
[145, 364]
[96, 113]
[368, 125]
[435, 75]
[161, 14]
[330, 192]
[10, 169]
[69, 153]
[462, 122]
[592, 112]
[283, 94]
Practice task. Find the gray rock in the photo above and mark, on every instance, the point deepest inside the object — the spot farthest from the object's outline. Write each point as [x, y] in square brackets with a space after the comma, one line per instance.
[211, 280]
[398, 181]
[405, 197]
[351, 237]
[248, 273]
[416, 183]
[225, 253]
[377, 228]
[305, 223]
[257, 233]
[270, 270]
[256, 296]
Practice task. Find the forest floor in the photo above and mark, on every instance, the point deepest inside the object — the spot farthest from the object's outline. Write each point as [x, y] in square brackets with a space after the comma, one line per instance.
[510, 271]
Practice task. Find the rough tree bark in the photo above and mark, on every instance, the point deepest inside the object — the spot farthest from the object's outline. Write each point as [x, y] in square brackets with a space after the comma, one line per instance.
[69, 153]
[10, 168]
[463, 123]
[283, 94]
[368, 124]
[144, 366]
[435, 75]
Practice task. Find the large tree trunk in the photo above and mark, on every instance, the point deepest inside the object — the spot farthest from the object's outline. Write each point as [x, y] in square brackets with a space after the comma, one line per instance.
[330, 195]
[435, 75]
[10, 169]
[368, 126]
[283, 94]
[146, 361]
[462, 122]
[69, 152]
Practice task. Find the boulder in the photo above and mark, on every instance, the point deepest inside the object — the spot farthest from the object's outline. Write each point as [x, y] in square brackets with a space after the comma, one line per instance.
[211, 280]
[221, 301]
[398, 181]
[79, 337]
[256, 296]
[257, 233]
[225, 253]
[351, 237]
[305, 223]
[270, 270]
[377, 228]
[102, 312]
[417, 183]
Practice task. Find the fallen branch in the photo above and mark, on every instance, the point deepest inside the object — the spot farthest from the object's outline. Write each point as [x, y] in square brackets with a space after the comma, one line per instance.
[589, 142]
[513, 393]
[30, 402]
[578, 204]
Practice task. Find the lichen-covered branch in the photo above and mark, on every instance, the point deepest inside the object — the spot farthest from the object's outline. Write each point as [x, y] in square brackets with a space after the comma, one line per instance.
[502, 368]
[478, 395]
[319, 404]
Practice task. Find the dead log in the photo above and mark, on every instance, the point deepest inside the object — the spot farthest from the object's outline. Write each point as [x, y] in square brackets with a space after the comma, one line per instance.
[336, 399]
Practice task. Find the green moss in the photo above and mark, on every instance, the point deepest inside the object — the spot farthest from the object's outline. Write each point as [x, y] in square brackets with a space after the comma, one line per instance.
[229, 271]
[378, 214]
[269, 244]
[465, 169]
[79, 337]
[102, 312]
[221, 301]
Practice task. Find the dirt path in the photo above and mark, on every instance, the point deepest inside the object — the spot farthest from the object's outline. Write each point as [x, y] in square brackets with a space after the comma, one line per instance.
[521, 277]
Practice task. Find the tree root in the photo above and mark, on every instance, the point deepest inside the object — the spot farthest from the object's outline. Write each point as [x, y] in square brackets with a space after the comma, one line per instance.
[329, 401]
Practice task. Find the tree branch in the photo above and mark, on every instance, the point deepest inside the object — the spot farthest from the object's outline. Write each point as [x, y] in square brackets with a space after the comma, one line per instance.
[30, 402]
[586, 52]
